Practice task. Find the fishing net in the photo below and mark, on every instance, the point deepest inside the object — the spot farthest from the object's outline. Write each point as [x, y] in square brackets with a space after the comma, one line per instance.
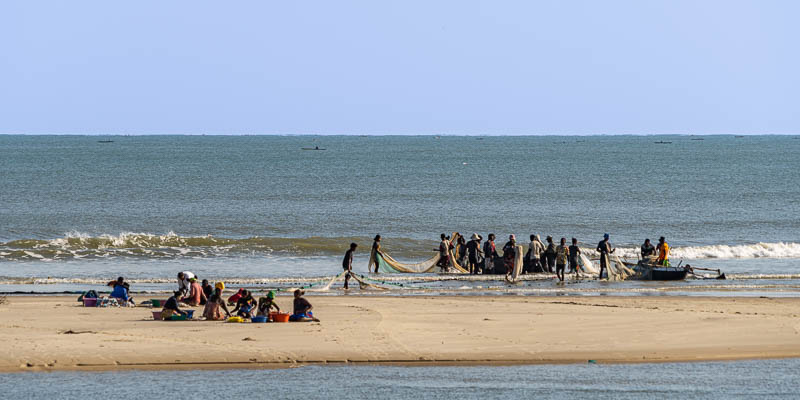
[518, 263]
[585, 267]
[323, 288]
[387, 264]
[618, 271]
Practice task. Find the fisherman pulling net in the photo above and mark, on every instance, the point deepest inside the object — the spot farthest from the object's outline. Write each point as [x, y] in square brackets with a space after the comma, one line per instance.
[445, 258]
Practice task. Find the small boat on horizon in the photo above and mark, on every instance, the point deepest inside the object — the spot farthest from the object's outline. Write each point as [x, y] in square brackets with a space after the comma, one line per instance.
[312, 148]
[662, 142]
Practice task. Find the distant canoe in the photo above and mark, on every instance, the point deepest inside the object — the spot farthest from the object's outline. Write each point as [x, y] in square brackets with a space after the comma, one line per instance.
[312, 148]
[662, 142]
[105, 141]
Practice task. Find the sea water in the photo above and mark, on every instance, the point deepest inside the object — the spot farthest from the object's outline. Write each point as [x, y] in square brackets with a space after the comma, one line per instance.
[261, 211]
[761, 379]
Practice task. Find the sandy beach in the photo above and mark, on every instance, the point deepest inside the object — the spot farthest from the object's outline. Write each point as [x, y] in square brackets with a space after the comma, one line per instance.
[56, 333]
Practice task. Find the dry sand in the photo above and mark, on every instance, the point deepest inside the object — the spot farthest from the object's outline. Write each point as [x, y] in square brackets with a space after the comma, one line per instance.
[55, 333]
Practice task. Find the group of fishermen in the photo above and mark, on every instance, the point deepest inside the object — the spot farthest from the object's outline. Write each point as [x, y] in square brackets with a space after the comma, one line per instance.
[483, 258]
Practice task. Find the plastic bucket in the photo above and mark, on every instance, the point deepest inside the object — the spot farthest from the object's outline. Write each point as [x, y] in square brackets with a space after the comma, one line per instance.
[155, 303]
[280, 317]
[90, 302]
[157, 315]
[259, 319]
[191, 314]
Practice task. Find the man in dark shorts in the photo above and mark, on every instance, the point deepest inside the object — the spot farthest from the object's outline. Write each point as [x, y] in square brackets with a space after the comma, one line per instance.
[562, 256]
[604, 248]
[473, 253]
[574, 253]
[347, 263]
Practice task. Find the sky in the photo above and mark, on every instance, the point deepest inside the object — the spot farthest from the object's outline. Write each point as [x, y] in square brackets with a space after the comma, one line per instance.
[400, 67]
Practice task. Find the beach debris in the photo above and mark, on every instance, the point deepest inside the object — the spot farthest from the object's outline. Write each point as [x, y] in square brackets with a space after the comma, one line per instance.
[3, 300]
[71, 332]
[248, 339]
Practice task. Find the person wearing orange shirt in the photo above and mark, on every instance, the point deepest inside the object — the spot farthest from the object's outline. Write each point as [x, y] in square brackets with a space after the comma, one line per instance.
[663, 252]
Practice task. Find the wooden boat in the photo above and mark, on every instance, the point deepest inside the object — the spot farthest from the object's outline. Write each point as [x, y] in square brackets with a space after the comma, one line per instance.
[668, 274]
[648, 271]
[311, 148]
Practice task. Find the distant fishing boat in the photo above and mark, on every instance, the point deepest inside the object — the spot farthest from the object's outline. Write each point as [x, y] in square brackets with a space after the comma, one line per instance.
[312, 148]
[105, 141]
[662, 142]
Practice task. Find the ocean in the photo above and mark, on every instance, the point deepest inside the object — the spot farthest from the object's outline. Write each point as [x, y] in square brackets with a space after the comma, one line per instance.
[262, 212]
[761, 379]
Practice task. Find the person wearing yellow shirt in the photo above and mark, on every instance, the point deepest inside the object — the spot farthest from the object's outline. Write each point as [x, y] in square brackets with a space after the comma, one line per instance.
[663, 252]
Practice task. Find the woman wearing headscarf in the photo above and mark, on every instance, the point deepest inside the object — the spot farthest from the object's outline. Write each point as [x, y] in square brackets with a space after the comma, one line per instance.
[211, 310]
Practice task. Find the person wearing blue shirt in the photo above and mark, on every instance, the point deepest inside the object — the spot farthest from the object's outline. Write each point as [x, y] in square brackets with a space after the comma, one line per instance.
[120, 291]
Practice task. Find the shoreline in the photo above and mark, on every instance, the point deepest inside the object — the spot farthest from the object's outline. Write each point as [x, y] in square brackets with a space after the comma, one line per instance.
[54, 333]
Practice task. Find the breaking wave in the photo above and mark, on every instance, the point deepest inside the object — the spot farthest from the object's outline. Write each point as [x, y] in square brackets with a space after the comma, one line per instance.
[76, 245]
[171, 245]
[757, 250]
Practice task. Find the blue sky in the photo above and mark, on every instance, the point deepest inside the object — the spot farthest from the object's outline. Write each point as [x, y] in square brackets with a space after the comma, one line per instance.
[400, 67]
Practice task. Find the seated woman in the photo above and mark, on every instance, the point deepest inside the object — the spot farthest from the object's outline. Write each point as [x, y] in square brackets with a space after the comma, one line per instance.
[235, 297]
[302, 309]
[196, 295]
[211, 311]
[207, 290]
[171, 307]
[267, 303]
[245, 305]
[120, 291]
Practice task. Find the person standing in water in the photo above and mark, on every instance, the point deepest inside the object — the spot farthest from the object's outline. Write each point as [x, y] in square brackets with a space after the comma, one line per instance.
[574, 253]
[489, 254]
[461, 250]
[376, 250]
[347, 263]
[550, 254]
[473, 253]
[444, 253]
[509, 253]
[562, 256]
[663, 252]
[535, 250]
[604, 248]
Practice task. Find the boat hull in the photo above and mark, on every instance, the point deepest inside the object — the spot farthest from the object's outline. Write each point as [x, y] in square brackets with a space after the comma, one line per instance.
[668, 274]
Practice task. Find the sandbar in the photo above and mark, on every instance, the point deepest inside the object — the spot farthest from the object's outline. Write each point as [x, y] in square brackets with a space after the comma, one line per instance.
[48, 333]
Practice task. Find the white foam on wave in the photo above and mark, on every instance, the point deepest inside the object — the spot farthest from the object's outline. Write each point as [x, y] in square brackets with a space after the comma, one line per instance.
[757, 250]
[171, 245]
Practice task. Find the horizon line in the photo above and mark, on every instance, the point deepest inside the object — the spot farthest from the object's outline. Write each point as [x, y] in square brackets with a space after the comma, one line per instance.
[400, 134]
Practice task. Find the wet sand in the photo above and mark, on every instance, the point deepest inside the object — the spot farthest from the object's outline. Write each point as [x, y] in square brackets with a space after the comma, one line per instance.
[56, 333]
